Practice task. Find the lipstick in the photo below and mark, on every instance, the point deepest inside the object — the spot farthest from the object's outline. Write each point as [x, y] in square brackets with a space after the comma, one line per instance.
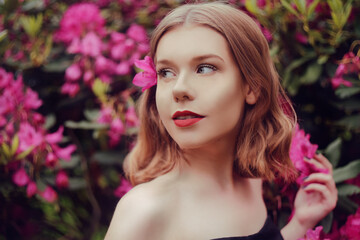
[186, 118]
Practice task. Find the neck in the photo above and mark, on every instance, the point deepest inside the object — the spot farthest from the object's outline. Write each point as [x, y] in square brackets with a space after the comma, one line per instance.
[209, 165]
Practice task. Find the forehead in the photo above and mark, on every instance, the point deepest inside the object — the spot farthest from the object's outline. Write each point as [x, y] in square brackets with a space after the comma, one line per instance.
[191, 40]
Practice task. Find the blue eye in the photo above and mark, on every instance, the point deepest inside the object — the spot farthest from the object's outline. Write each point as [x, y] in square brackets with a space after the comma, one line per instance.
[204, 69]
[165, 73]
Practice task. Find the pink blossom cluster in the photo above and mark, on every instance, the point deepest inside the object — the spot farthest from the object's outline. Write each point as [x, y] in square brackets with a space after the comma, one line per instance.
[351, 229]
[18, 120]
[314, 234]
[301, 148]
[108, 115]
[99, 53]
[123, 188]
[350, 64]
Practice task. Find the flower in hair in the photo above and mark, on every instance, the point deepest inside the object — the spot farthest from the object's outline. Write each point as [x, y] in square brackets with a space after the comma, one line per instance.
[147, 78]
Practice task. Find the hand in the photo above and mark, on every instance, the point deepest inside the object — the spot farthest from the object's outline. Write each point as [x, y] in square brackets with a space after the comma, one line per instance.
[317, 195]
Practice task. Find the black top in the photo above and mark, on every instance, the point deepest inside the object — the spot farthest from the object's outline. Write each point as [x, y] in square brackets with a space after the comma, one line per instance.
[268, 232]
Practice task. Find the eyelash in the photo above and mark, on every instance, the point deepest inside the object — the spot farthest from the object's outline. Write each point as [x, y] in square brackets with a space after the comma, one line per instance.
[206, 65]
[162, 71]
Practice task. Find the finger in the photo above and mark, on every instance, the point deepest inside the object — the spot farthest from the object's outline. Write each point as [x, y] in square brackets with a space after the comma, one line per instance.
[324, 161]
[318, 166]
[329, 199]
[321, 178]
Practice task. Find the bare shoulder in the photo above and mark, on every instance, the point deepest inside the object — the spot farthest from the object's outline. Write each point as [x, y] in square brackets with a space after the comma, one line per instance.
[140, 213]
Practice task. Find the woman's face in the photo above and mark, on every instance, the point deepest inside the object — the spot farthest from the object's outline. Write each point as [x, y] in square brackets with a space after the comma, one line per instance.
[200, 95]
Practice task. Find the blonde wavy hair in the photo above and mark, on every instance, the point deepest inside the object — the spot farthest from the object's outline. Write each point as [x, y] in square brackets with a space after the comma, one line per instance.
[262, 148]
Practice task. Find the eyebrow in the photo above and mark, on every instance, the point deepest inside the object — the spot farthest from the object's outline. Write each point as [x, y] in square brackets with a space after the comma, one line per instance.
[195, 59]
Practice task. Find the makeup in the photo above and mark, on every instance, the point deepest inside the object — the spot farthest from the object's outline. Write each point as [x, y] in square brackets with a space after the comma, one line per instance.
[186, 118]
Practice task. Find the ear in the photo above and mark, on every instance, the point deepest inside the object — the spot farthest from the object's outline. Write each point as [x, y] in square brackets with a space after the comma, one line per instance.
[250, 96]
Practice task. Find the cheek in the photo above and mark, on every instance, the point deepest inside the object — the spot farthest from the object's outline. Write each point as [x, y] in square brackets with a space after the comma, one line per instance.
[162, 104]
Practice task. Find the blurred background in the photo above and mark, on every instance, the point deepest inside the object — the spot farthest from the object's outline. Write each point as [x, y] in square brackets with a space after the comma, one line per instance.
[68, 107]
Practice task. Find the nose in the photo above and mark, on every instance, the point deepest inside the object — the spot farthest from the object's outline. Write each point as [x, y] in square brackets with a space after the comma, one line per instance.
[182, 90]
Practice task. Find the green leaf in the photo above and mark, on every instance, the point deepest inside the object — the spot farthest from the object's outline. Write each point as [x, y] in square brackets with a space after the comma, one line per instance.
[322, 59]
[312, 74]
[92, 114]
[57, 65]
[50, 121]
[345, 92]
[100, 89]
[347, 172]
[6, 149]
[251, 6]
[32, 25]
[301, 5]
[75, 161]
[348, 189]
[24, 153]
[346, 204]
[312, 7]
[86, 125]
[351, 122]
[3, 35]
[109, 157]
[327, 222]
[289, 7]
[295, 64]
[14, 144]
[8, 6]
[333, 151]
[77, 183]
[350, 104]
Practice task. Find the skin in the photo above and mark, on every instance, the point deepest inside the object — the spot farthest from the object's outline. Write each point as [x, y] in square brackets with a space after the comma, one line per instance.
[201, 198]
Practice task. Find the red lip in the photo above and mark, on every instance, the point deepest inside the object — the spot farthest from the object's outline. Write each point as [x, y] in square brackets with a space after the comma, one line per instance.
[188, 121]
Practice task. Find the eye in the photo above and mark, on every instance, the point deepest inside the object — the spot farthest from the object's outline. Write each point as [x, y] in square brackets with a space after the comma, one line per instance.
[165, 73]
[204, 69]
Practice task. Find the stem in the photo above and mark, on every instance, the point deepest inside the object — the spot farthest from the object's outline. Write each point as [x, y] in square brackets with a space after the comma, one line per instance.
[94, 224]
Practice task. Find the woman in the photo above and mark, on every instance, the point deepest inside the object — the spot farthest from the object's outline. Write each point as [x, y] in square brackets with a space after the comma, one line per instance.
[212, 127]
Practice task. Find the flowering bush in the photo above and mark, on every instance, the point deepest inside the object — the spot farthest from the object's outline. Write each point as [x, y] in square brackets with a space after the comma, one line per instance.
[68, 117]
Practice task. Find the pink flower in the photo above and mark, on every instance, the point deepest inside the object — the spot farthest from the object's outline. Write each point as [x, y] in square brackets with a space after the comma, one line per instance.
[65, 153]
[88, 76]
[123, 188]
[147, 78]
[131, 118]
[116, 130]
[104, 65]
[122, 68]
[313, 234]
[73, 73]
[49, 194]
[20, 177]
[31, 100]
[5, 78]
[28, 137]
[117, 37]
[337, 81]
[70, 88]
[75, 46]
[91, 45]
[105, 115]
[62, 180]
[78, 20]
[31, 189]
[117, 51]
[56, 136]
[301, 148]
[301, 38]
[137, 32]
[51, 159]
[351, 229]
